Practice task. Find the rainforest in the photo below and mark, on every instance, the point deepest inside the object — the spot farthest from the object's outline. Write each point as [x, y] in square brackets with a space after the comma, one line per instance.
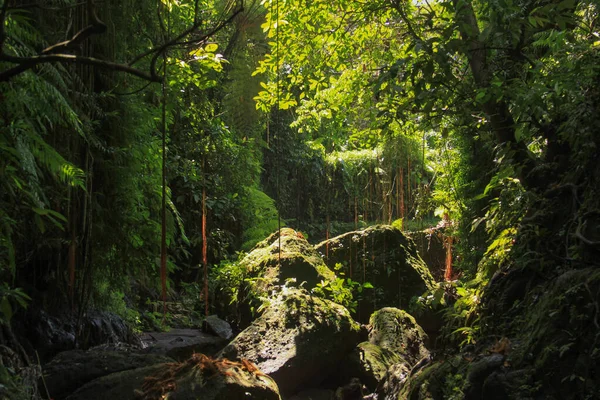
[299, 199]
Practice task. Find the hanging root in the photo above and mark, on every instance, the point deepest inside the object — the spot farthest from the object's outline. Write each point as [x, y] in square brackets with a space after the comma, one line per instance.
[579, 235]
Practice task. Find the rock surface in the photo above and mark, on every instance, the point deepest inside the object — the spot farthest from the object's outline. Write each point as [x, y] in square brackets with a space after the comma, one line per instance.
[383, 256]
[298, 340]
[120, 385]
[431, 248]
[51, 334]
[180, 344]
[199, 377]
[72, 369]
[299, 261]
[214, 325]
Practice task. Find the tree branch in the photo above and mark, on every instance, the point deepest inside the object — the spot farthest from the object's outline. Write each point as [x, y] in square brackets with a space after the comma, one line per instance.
[27, 63]
[157, 50]
[60, 52]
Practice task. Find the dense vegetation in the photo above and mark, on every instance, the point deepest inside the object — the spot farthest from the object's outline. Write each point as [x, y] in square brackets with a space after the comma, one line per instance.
[143, 144]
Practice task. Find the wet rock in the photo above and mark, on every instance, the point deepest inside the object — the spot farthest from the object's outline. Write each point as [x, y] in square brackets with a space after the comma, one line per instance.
[214, 325]
[298, 340]
[72, 369]
[100, 327]
[180, 344]
[383, 256]
[199, 377]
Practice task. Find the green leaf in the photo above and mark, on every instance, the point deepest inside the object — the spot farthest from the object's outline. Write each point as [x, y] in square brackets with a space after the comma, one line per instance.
[211, 47]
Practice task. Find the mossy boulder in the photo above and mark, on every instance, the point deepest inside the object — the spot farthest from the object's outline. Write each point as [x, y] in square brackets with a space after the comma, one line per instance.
[437, 381]
[277, 259]
[397, 330]
[276, 262]
[298, 340]
[395, 342]
[383, 256]
[199, 377]
[549, 346]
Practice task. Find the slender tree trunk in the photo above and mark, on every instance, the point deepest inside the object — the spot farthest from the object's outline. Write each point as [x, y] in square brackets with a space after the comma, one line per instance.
[204, 251]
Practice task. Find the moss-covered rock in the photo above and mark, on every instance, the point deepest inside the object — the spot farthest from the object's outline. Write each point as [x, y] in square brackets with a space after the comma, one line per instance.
[369, 363]
[558, 335]
[396, 330]
[298, 261]
[431, 248]
[298, 340]
[396, 343]
[383, 256]
[276, 262]
[549, 346]
[438, 381]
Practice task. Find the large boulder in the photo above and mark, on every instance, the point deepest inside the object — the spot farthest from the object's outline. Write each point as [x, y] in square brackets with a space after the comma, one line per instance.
[431, 245]
[278, 261]
[199, 377]
[298, 340]
[72, 369]
[51, 334]
[279, 258]
[383, 256]
[396, 344]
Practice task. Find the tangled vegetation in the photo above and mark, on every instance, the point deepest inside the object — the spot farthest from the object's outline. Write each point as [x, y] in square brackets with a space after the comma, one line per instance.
[143, 144]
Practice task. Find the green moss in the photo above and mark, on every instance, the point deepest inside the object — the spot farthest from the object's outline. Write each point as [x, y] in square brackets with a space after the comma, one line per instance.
[297, 264]
[560, 337]
[398, 331]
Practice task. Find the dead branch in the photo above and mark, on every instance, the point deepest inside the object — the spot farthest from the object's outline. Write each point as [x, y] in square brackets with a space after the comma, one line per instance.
[95, 28]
